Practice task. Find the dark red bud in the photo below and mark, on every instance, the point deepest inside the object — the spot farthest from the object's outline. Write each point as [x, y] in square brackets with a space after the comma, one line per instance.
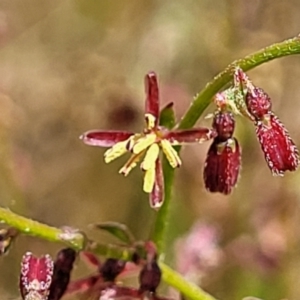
[224, 124]
[150, 277]
[280, 151]
[222, 166]
[62, 272]
[111, 269]
[258, 103]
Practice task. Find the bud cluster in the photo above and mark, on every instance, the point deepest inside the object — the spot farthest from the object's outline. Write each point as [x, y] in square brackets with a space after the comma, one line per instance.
[279, 149]
[224, 155]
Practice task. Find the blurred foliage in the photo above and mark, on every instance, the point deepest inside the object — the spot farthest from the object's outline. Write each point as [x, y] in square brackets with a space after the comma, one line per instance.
[70, 66]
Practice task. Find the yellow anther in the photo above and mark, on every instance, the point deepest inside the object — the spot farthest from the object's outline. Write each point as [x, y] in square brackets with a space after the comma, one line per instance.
[143, 143]
[130, 164]
[115, 151]
[171, 154]
[150, 157]
[150, 121]
[149, 180]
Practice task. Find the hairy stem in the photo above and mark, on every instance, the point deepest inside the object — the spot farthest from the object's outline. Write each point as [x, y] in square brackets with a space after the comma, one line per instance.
[201, 102]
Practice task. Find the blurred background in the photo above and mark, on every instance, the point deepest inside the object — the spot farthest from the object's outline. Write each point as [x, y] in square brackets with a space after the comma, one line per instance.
[75, 65]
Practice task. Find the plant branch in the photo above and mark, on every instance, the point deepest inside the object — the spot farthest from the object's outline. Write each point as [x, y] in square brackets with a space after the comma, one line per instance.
[203, 99]
[77, 241]
[201, 102]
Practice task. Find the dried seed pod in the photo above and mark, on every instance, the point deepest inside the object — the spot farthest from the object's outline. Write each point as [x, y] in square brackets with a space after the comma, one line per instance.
[63, 266]
[36, 277]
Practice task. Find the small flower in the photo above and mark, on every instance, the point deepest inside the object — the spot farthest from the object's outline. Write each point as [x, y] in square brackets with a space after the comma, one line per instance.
[148, 144]
[223, 160]
[279, 149]
[36, 277]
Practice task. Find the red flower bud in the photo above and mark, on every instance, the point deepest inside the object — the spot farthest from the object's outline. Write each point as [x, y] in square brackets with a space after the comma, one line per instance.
[36, 276]
[222, 166]
[224, 125]
[258, 103]
[280, 151]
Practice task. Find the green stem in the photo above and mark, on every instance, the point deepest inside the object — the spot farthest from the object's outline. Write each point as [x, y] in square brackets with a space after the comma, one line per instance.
[29, 227]
[162, 218]
[201, 102]
[203, 99]
[76, 240]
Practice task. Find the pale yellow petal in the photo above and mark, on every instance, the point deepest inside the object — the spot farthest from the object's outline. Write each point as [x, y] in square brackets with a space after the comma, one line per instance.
[130, 164]
[150, 121]
[170, 153]
[149, 180]
[150, 157]
[115, 151]
[143, 143]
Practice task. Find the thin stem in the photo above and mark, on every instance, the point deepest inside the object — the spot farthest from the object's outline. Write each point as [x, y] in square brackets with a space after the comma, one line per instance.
[203, 99]
[29, 227]
[201, 102]
[76, 240]
[162, 218]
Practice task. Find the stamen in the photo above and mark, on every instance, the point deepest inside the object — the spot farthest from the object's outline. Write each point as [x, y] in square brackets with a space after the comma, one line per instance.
[116, 151]
[130, 164]
[150, 158]
[149, 180]
[150, 121]
[171, 154]
[143, 143]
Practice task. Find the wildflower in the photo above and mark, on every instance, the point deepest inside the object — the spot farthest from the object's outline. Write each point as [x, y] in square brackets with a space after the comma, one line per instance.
[147, 144]
[223, 160]
[36, 277]
[279, 149]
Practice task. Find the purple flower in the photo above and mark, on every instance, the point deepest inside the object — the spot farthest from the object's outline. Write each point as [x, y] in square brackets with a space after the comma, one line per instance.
[147, 145]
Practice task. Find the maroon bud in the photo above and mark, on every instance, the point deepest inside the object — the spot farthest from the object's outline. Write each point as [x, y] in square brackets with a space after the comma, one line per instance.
[150, 277]
[258, 103]
[280, 151]
[222, 166]
[111, 269]
[36, 277]
[224, 124]
[63, 266]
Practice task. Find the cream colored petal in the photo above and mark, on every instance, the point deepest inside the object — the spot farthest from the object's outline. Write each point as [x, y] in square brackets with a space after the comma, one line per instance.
[130, 164]
[150, 157]
[170, 153]
[150, 121]
[149, 180]
[143, 143]
[116, 151]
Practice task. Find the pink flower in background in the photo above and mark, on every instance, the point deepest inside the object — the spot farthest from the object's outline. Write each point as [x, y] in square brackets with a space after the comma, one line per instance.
[198, 252]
